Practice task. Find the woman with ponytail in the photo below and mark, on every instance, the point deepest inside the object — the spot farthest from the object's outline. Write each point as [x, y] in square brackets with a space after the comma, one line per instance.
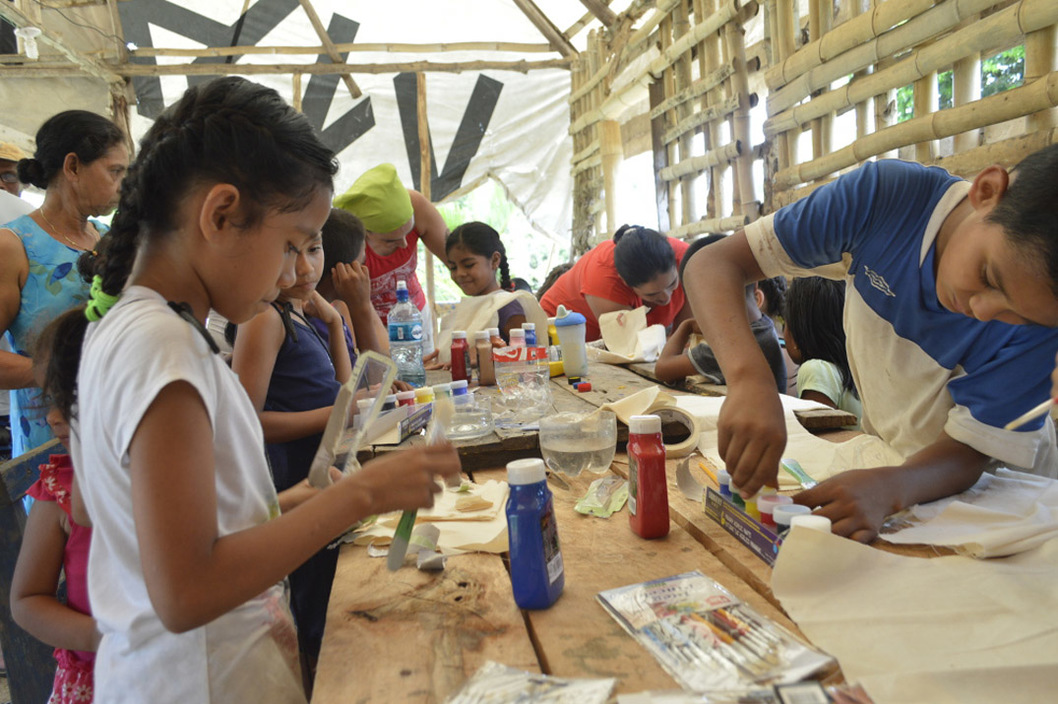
[79, 163]
[190, 550]
[638, 267]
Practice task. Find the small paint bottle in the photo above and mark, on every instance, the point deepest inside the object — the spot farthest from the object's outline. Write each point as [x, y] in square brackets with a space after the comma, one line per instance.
[537, 573]
[517, 337]
[782, 515]
[389, 403]
[812, 521]
[766, 506]
[406, 398]
[460, 356]
[424, 394]
[723, 480]
[486, 366]
[530, 334]
[648, 488]
[364, 405]
[442, 391]
[459, 390]
[495, 338]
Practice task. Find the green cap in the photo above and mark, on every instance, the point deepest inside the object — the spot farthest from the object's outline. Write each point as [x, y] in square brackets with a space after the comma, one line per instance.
[379, 199]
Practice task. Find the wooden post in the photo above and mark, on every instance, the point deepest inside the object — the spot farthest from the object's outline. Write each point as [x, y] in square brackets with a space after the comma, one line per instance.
[785, 28]
[332, 51]
[424, 188]
[681, 76]
[656, 93]
[668, 83]
[745, 204]
[610, 147]
[296, 77]
[925, 103]
[966, 88]
[1040, 61]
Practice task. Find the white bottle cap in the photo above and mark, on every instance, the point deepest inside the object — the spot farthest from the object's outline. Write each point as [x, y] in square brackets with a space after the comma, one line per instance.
[723, 478]
[402, 285]
[782, 515]
[458, 386]
[820, 523]
[405, 395]
[459, 335]
[528, 326]
[392, 398]
[644, 425]
[494, 332]
[517, 332]
[481, 335]
[364, 404]
[767, 503]
[442, 389]
[527, 471]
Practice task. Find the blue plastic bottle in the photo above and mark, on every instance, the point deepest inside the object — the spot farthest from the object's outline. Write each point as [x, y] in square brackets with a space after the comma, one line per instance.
[537, 575]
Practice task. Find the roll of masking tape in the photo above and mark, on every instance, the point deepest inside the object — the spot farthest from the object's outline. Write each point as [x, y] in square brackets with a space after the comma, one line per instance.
[674, 414]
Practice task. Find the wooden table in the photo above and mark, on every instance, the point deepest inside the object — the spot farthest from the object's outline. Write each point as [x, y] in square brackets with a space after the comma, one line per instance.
[411, 636]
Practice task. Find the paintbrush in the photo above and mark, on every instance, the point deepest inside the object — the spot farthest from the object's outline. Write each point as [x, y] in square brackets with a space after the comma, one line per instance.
[436, 432]
[1031, 415]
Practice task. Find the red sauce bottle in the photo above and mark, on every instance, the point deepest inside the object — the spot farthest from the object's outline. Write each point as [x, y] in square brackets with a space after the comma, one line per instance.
[460, 356]
[648, 489]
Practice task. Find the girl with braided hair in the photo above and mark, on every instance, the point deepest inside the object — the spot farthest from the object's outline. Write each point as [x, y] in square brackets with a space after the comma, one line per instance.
[189, 548]
[474, 255]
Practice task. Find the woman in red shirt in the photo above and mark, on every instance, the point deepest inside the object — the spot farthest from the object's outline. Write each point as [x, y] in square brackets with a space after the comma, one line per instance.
[637, 267]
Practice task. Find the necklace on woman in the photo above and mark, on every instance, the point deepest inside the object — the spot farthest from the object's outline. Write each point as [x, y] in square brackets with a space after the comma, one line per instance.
[64, 235]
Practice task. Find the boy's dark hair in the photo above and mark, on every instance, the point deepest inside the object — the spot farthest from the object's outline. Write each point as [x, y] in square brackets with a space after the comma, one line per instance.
[1028, 211]
[343, 239]
[814, 311]
[553, 276]
[705, 241]
[80, 132]
[641, 254]
[774, 291]
[482, 240]
[229, 130]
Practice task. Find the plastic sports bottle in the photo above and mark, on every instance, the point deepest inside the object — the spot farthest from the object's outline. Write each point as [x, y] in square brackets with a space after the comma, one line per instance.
[537, 574]
[405, 338]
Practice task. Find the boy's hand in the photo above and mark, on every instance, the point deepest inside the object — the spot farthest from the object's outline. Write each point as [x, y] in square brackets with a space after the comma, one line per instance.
[857, 502]
[353, 284]
[751, 434]
[318, 307]
[407, 479]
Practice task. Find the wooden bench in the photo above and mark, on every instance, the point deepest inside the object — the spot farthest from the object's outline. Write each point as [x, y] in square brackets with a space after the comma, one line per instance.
[30, 664]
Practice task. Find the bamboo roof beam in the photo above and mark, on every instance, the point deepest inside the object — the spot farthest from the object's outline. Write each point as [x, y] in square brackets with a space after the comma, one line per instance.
[552, 33]
[132, 70]
[710, 226]
[332, 51]
[344, 48]
[925, 26]
[86, 64]
[1002, 27]
[576, 27]
[117, 30]
[601, 10]
[701, 117]
[1008, 105]
[641, 34]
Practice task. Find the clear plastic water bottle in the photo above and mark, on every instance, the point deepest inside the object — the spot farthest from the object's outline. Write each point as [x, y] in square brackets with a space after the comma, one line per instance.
[405, 338]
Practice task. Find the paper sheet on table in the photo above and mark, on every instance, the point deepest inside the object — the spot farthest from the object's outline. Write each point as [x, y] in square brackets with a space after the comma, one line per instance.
[642, 402]
[628, 338]
[926, 631]
[821, 458]
[1003, 514]
[476, 531]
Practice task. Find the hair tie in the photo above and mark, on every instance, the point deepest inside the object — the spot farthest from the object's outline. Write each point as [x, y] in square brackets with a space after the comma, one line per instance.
[100, 302]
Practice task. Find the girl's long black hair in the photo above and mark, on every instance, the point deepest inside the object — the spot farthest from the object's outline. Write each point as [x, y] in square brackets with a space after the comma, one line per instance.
[814, 311]
[482, 240]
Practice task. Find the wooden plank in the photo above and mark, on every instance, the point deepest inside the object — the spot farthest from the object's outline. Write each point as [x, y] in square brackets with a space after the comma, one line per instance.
[413, 636]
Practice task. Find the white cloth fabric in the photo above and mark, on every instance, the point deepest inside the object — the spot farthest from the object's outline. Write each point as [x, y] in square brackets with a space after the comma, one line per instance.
[475, 313]
[628, 338]
[246, 655]
[824, 377]
[1003, 514]
[946, 630]
[12, 207]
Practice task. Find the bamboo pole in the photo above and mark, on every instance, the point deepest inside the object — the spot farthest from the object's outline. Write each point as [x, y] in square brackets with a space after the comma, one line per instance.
[728, 11]
[857, 31]
[740, 121]
[332, 51]
[861, 107]
[611, 159]
[342, 47]
[297, 90]
[682, 80]
[665, 34]
[586, 152]
[925, 26]
[574, 29]
[85, 64]
[656, 95]
[718, 111]
[925, 101]
[696, 89]
[785, 144]
[1008, 153]
[591, 162]
[552, 33]
[999, 28]
[1039, 61]
[601, 10]
[326, 69]
[784, 198]
[651, 23]
[697, 164]
[710, 226]
[595, 60]
[966, 88]
[710, 69]
[1008, 105]
[714, 51]
[425, 186]
[117, 30]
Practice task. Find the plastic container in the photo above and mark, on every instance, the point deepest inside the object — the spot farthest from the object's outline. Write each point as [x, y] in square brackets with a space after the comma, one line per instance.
[518, 338]
[460, 356]
[537, 574]
[530, 334]
[820, 523]
[424, 395]
[495, 338]
[405, 338]
[459, 390]
[571, 327]
[442, 390]
[723, 480]
[389, 403]
[783, 515]
[767, 504]
[648, 489]
[406, 398]
[486, 366]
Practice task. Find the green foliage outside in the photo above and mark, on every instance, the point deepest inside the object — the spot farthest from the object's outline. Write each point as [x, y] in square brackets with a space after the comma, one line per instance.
[999, 72]
[530, 255]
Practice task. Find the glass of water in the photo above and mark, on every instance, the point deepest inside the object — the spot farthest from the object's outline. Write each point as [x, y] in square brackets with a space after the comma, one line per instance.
[572, 443]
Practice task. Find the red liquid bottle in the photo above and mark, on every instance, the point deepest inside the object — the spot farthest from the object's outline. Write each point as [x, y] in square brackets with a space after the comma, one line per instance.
[460, 356]
[648, 489]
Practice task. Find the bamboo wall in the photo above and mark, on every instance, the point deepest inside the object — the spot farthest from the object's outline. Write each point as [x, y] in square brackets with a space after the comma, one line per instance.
[825, 76]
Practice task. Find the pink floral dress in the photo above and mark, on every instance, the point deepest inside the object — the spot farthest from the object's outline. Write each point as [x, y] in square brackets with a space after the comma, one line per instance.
[73, 676]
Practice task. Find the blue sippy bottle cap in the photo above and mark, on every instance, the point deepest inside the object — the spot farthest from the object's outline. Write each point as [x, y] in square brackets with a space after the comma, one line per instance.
[565, 318]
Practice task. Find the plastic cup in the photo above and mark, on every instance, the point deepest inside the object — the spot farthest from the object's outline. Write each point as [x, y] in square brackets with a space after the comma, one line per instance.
[572, 443]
